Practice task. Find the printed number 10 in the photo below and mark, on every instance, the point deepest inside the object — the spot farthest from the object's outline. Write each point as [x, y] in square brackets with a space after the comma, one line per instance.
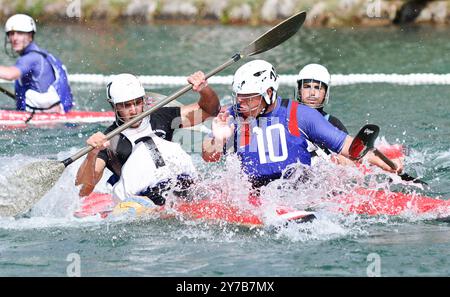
[270, 143]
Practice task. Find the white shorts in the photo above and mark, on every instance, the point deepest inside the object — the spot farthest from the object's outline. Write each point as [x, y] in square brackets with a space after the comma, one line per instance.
[43, 100]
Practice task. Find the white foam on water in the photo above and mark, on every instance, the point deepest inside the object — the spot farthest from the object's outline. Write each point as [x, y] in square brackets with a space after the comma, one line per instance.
[54, 209]
[439, 160]
[45, 222]
[226, 180]
[291, 194]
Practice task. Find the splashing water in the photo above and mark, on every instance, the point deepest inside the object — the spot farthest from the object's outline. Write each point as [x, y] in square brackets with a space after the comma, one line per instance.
[230, 184]
[224, 181]
[26, 186]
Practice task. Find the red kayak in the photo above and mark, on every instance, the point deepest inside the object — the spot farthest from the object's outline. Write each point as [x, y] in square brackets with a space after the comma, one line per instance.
[212, 210]
[362, 202]
[379, 202]
[13, 119]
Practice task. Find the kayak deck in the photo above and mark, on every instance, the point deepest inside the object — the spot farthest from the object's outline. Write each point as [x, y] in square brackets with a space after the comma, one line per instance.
[361, 201]
[214, 210]
[379, 202]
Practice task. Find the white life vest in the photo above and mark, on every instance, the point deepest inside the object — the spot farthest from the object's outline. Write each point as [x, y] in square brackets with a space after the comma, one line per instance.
[140, 171]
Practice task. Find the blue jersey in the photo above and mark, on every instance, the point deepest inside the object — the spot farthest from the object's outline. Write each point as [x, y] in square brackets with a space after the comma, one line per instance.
[268, 144]
[39, 70]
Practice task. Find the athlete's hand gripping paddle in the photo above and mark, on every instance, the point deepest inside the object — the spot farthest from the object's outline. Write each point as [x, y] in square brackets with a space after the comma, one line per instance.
[364, 142]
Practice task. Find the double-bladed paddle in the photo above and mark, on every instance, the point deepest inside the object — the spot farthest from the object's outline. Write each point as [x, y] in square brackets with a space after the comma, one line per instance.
[364, 142]
[31, 182]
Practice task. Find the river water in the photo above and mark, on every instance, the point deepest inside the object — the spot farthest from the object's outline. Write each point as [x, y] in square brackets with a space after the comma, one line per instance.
[334, 245]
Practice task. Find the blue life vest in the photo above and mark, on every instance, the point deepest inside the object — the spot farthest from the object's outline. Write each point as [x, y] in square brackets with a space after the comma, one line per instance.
[61, 83]
[271, 142]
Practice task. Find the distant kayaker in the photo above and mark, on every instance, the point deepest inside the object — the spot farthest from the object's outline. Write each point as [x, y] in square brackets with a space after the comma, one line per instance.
[143, 158]
[269, 133]
[313, 90]
[41, 83]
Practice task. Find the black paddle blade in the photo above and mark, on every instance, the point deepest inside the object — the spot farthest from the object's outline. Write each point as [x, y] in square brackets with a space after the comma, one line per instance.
[364, 141]
[275, 36]
[407, 177]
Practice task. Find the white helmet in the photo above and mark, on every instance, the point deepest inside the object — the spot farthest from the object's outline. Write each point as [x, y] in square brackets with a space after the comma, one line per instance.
[124, 87]
[21, 23]
[315, 72]
[256, 77]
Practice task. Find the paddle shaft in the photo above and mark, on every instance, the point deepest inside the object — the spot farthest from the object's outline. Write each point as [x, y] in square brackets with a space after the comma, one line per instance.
[385, 159]
[7, 93]
[44, 175]
[272, 38]
[403, 176]
[158, 105]
[369, 139]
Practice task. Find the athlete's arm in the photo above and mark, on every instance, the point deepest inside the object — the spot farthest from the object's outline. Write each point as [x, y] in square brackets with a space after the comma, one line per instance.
[24, 65]
[321, 131]
[337, 123]
[222, 130]
[10, 72]
[372, 158]
[339, 159]
[92, 168]
[207, 106]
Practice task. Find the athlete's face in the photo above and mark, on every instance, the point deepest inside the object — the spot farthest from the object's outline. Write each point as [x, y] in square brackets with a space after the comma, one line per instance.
[250, 105]
[313, 94]
[130, 109]
[19, 40]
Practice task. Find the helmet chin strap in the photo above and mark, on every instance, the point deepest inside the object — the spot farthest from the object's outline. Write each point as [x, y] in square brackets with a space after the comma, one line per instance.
[266, 98]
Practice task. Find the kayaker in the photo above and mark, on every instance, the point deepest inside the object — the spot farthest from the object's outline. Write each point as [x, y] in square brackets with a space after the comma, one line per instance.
[313, 90]
[269, 133]
[143, 158]
[41, 83]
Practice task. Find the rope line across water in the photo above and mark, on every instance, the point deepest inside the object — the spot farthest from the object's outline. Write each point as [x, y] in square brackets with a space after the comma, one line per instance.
[285, 79]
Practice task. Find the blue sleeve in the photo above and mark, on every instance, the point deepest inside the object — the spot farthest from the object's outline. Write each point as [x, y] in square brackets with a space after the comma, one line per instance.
[28, 62]
[319, 130]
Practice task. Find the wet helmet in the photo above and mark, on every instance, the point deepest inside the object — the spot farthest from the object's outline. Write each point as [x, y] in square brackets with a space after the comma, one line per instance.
[20, 23]
[123, 88]
[256, 77]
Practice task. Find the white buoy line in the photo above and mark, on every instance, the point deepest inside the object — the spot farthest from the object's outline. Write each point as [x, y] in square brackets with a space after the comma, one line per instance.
[286, 79]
